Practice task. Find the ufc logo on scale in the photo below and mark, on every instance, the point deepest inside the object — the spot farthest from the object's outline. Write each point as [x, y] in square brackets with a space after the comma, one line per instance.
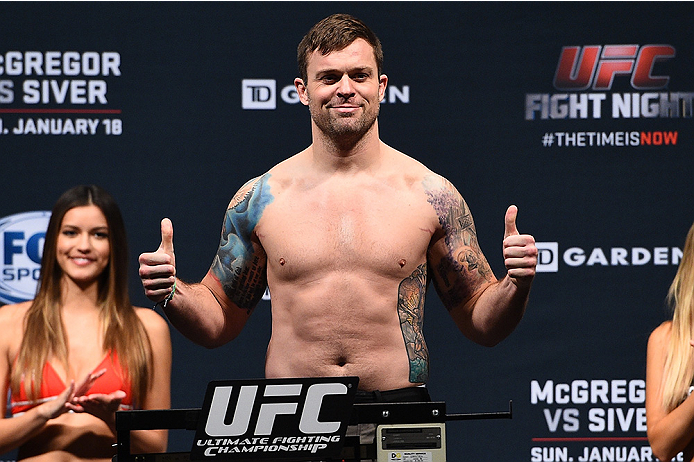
[268, 411]
[596, 66]
[287, 419]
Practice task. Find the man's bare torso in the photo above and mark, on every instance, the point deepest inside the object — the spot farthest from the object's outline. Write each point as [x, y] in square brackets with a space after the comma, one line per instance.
[346, 267]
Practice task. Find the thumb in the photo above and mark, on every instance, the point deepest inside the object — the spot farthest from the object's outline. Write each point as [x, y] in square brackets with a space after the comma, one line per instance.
[510, 228]
[69, 392]
[167, 236]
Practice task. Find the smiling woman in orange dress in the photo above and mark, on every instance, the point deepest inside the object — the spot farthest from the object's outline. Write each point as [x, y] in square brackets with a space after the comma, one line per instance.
[80, 351]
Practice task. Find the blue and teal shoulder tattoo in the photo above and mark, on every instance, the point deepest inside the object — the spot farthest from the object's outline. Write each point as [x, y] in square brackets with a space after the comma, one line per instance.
[238, 265]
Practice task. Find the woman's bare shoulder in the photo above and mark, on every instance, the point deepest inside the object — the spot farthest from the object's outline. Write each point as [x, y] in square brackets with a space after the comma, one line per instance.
[151, 319]
[12, 326]
[660, 335]
[12, 314]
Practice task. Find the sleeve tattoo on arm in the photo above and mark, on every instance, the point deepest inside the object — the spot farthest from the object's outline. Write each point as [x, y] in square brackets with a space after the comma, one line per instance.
[411, 310]
[464, 267]
[239, 266]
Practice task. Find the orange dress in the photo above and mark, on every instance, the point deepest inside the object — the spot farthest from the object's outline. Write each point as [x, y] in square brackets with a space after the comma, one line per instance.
[52, 385]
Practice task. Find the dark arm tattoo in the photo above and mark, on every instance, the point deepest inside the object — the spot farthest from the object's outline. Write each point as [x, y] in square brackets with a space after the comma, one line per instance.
[239, 266]
[464, 268]
[411, 294]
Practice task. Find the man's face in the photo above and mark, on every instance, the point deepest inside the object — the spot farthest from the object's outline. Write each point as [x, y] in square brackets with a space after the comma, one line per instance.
[343, 90]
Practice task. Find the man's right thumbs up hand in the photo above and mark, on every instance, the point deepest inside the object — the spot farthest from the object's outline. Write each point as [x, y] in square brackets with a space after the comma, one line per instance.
[158, 269]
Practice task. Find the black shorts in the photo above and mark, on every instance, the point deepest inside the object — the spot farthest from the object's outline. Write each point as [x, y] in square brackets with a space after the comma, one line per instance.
[400, 395]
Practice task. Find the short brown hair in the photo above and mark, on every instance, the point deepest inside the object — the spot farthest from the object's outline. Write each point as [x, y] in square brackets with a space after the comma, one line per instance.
[334, 33]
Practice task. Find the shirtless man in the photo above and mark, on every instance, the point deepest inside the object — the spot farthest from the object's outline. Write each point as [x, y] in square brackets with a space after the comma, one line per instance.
[346, 234]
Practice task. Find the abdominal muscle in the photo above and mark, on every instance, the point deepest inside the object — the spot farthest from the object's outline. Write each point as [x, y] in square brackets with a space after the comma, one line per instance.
[340, 325]
[71, 437]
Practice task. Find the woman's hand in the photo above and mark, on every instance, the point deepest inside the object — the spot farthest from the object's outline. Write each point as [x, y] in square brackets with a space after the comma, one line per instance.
[58, 406]
[102, 406]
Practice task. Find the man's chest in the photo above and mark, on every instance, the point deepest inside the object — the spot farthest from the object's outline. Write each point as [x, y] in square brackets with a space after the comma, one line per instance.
[358, 232]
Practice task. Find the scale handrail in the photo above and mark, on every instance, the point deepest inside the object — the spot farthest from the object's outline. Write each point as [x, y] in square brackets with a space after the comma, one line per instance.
[377, 413]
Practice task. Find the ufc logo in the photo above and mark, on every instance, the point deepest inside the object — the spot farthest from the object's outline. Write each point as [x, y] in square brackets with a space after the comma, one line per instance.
[270, 409]
[597, 66]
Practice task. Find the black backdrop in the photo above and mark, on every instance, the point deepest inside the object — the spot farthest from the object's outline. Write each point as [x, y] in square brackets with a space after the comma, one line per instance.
[179, 144]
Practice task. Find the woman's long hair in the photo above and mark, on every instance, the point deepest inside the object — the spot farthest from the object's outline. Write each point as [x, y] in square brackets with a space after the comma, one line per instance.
[679, 364]
[44, 333]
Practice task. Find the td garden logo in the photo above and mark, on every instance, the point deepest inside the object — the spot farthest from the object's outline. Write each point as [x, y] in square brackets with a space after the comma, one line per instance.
[263, 94]
[551, 257]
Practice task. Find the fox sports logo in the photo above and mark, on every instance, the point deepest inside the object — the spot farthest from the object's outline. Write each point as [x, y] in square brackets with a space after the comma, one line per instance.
[21, 245]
